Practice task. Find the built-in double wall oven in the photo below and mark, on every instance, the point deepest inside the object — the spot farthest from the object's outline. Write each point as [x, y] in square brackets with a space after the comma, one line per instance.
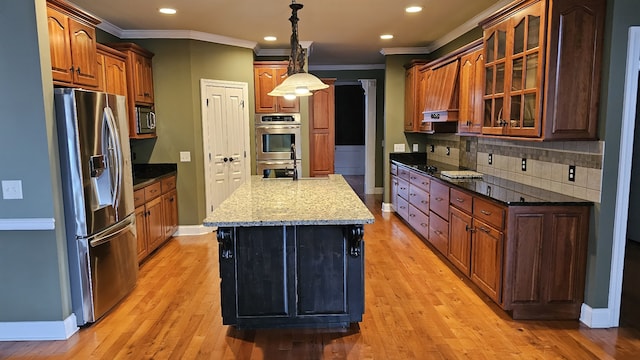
[278, 143]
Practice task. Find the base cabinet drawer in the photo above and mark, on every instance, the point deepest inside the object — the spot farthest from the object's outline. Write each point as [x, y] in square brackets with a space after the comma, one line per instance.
[403, 208]
[439, 233]
[419, 221]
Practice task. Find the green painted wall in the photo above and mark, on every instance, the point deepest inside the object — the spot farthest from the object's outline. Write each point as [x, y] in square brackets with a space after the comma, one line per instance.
[33, 266]
[393, 111]
[178, 67]
[620, 15]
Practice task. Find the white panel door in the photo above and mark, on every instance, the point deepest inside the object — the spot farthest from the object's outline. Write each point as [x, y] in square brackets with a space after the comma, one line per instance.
[225, 139]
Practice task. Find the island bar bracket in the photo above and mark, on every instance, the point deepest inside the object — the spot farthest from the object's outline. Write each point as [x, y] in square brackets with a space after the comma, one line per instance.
[225, 237]
[356, 233]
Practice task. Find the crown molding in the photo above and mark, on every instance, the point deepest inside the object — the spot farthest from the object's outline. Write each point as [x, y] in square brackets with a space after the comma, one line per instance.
[346, 67]
[187, 34]
[406, 50]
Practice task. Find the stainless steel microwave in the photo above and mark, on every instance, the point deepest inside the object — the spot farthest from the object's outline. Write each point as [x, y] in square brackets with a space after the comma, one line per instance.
[146, 120]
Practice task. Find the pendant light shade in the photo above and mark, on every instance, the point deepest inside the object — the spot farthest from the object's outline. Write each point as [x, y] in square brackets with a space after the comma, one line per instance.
[298, 82]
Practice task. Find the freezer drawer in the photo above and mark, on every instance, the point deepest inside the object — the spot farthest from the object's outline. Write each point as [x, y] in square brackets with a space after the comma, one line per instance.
[108, 271]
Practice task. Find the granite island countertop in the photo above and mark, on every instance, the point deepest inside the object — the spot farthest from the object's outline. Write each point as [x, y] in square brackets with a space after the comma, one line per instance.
[283, 201]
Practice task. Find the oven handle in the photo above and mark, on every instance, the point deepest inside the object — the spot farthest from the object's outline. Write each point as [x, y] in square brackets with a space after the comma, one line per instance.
[278, 127]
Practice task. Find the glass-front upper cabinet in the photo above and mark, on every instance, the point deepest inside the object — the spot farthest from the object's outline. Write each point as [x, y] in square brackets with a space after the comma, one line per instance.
[513, 74]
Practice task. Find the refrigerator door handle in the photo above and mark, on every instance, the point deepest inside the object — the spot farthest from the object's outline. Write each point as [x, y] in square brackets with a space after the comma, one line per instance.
[106, 236]
[113, 132]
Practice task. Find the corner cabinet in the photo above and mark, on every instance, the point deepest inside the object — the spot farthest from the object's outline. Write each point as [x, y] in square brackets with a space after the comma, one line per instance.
[542, 69]
[139, 82]
[72, 41]
[156, 214]
[267, 75]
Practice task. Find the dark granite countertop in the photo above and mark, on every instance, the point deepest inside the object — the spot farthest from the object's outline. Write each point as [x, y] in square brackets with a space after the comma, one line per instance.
[144, 174]
[502, 190]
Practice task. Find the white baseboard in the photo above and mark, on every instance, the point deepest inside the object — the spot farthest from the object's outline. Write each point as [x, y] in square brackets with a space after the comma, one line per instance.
[190, 230]
[595, 318]
[38, 330]
[387, 207]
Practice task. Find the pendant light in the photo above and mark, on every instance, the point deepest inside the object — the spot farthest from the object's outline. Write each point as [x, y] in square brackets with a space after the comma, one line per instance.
[298, 82]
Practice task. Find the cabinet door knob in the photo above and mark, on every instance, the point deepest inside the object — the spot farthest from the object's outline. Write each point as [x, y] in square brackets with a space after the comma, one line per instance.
[231, 159]
[225, 159]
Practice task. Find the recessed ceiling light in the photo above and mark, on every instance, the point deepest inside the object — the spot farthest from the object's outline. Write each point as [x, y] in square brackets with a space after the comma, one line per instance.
[270, 38]
[167, 11]
[413, 9]
[386, 36]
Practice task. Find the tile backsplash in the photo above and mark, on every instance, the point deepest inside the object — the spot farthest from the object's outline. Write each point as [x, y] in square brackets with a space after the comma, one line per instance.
[547, 163]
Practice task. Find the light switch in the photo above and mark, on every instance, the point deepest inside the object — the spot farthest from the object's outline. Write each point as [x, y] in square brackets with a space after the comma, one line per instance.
[11, 189]
[185, 156]
[415, 147]
[398, 147]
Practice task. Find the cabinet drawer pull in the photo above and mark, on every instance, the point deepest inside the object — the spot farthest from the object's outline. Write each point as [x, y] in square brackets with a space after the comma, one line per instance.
[412, 215]
[425, 183]
[403, 188]
[438, 232]
[459, 200]
[402, 207]
[485, 212]
[439, 199]
[482, 228]
[423, 225]
[423, 202]
[412, 194]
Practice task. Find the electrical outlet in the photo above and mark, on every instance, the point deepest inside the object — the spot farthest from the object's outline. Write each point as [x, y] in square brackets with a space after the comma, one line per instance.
[185, 156]
[448, 151]
[572, 173]
[398, 147]
[524, 164]
[490, 159]
[12, 189]
[432, 148]
[415, 147]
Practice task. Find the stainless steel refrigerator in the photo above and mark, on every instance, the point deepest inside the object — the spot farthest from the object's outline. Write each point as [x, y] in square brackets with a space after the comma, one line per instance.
[95, 162]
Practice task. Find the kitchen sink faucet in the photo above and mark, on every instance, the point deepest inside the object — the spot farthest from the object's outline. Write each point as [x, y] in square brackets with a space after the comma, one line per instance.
[293, 157]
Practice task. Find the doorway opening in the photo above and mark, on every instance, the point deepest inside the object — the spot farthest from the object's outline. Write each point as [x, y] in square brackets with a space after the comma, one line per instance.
[362, 183]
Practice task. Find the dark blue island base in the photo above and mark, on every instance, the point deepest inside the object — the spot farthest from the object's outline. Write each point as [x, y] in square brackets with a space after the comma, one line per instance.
[309, 276]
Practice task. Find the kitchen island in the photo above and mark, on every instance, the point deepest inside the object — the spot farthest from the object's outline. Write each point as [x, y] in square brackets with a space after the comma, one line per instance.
[291, 253]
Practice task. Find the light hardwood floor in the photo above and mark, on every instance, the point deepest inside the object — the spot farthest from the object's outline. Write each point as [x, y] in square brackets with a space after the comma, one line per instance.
[416, 308]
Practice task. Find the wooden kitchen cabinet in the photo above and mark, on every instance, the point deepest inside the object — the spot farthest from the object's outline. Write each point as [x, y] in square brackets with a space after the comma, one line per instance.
[170, 206]
[459, 249]
[413, 96]
[471, 91]
[543, 87]
[139, 82]
[112, 72]
[545, 261]
[322, 131]
[529, 259]
[72, 41]
[156, 215]
[268, 75]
